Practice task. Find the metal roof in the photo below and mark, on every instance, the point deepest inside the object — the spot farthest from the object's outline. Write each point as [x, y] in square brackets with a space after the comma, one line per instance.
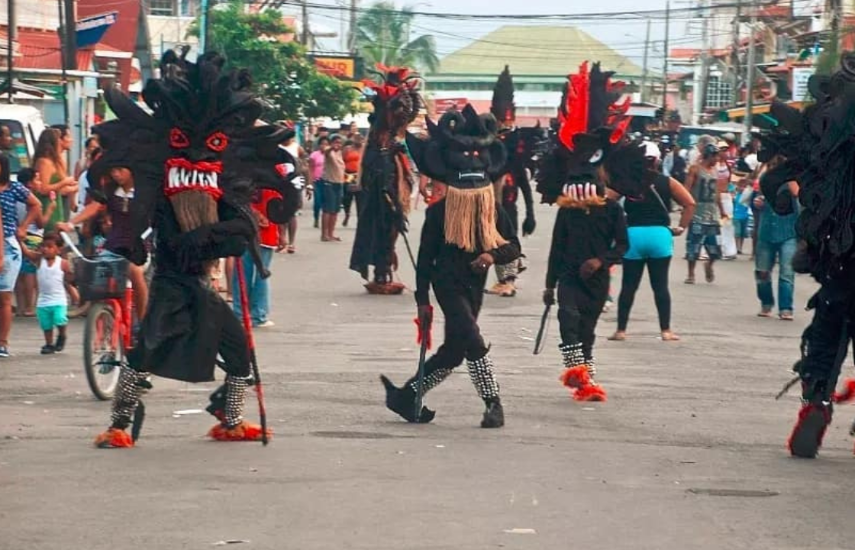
[534, 51]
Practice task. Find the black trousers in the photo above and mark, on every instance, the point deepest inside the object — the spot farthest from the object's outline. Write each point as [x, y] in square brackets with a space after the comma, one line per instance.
[580, 303]
[462, 335]
[826, 340]
[633, 270]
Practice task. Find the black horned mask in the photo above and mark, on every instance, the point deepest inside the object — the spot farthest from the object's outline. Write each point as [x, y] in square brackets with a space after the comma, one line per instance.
[462, 151]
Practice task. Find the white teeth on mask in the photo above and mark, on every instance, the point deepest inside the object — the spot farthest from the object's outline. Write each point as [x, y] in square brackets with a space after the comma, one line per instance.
[178, 178]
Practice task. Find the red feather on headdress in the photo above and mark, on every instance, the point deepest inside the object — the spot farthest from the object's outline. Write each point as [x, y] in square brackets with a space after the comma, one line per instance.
[590, 102]
[395, 79]
[573, 113]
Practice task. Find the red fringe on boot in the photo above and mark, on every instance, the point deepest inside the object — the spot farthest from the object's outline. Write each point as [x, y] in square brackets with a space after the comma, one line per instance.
[575, 377]
[591, 392]
[114, 438]
[245, 431]
[809, 430]
[848, 393]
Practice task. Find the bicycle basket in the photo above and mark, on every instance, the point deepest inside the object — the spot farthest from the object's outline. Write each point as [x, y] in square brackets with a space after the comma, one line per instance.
[100, 278]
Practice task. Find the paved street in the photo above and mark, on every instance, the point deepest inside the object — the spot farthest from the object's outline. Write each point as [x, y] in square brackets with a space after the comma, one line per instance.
[688, 453]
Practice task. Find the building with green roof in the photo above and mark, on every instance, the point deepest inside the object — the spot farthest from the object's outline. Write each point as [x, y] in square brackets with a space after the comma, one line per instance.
[539, 57]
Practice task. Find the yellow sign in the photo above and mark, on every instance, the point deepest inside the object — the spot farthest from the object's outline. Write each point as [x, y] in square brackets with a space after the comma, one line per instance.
[339, 67]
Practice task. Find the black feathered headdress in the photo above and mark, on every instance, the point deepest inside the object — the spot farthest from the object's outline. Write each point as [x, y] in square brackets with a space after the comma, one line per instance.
[503, 106]
[816, 148]
[592, 123]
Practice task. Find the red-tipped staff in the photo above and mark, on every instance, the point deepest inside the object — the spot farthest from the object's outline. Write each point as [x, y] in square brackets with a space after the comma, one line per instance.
[250, 342]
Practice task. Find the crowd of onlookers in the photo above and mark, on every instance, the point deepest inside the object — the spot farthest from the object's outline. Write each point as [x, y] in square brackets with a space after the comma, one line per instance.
[35, 205]
[716, 183]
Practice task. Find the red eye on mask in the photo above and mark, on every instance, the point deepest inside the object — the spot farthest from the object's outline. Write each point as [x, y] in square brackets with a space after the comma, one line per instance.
[217, 142]
[178, 139]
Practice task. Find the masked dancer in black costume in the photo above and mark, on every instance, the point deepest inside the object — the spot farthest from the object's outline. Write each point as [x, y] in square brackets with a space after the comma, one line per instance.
[196, 160]
[464, 234]
[387, 180]
[514, 178]
[590, 230]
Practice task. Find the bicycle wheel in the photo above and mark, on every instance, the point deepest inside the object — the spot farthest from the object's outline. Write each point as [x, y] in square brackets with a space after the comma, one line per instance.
[101, 359]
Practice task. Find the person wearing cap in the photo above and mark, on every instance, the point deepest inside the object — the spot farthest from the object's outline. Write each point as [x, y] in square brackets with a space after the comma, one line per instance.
[705, 228]
[696, 153]
[651, 243]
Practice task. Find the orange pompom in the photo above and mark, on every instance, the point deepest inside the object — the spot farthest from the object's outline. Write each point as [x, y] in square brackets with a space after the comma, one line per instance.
[576, 377]
[114, 438]
[591, 393]
[245, 431]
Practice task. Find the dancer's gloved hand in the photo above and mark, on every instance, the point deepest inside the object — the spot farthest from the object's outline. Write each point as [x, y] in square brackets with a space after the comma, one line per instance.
[549, 297]
[424, 322]
[590, 267]
[528, 226]
[482, 263]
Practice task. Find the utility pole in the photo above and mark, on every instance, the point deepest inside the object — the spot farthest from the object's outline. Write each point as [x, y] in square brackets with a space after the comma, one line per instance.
[70, 45]
[351, 39]
[665, 62]
[203, 26]
[63, 30]
[305, 9]
[705, 62]
[734, 56]
[10, 60]
[752, 69]
[644, 68]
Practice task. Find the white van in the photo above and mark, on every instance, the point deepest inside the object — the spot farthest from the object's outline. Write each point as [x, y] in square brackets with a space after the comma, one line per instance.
[26, 125]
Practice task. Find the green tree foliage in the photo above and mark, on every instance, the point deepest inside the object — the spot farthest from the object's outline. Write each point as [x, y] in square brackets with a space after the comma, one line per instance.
[282, 74]
[383, 36]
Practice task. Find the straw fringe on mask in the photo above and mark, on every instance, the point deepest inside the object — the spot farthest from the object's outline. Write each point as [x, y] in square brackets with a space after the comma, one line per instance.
[470, 219]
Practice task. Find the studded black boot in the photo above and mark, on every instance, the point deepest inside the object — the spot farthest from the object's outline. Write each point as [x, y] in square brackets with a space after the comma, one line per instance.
[481, 373]
[402, 401]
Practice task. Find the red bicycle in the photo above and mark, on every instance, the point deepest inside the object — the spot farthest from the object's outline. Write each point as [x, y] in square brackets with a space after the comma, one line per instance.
[108, 335]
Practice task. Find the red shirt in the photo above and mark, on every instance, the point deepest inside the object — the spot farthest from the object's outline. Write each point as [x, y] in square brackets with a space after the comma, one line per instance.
[267, 236]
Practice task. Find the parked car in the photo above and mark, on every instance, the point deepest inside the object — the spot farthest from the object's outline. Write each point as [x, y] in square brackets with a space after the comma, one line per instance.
[26, 125]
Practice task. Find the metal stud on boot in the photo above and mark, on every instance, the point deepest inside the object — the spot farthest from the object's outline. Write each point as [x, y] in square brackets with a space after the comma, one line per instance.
[494, 416]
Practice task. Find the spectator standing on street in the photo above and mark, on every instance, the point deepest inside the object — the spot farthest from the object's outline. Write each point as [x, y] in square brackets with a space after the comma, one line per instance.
[7, 148]
[299, 155]
[26, 289]
[352, 158]
[705, 229]
[54, 177]
[316, 165]
[777, 240]
[11, 193]
[52, 307]
[651, 245]
[333, 188]
[270, 237]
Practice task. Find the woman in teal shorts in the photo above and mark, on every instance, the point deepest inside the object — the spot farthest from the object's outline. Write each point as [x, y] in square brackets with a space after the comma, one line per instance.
[651, 244]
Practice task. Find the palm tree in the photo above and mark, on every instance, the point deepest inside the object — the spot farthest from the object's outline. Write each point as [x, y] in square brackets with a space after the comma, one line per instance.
[383, 36]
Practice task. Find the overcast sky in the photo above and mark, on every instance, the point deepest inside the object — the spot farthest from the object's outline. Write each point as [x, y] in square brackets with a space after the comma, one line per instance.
[625, 36]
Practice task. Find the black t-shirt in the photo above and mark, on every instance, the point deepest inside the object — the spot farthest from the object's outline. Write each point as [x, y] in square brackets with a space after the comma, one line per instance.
[649, 210]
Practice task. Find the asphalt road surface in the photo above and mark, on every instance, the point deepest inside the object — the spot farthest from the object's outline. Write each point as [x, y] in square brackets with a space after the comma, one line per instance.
[688, 453]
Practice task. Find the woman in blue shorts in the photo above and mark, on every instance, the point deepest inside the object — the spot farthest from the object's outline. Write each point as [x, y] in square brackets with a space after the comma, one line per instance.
[12, 193]
[651, 244]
